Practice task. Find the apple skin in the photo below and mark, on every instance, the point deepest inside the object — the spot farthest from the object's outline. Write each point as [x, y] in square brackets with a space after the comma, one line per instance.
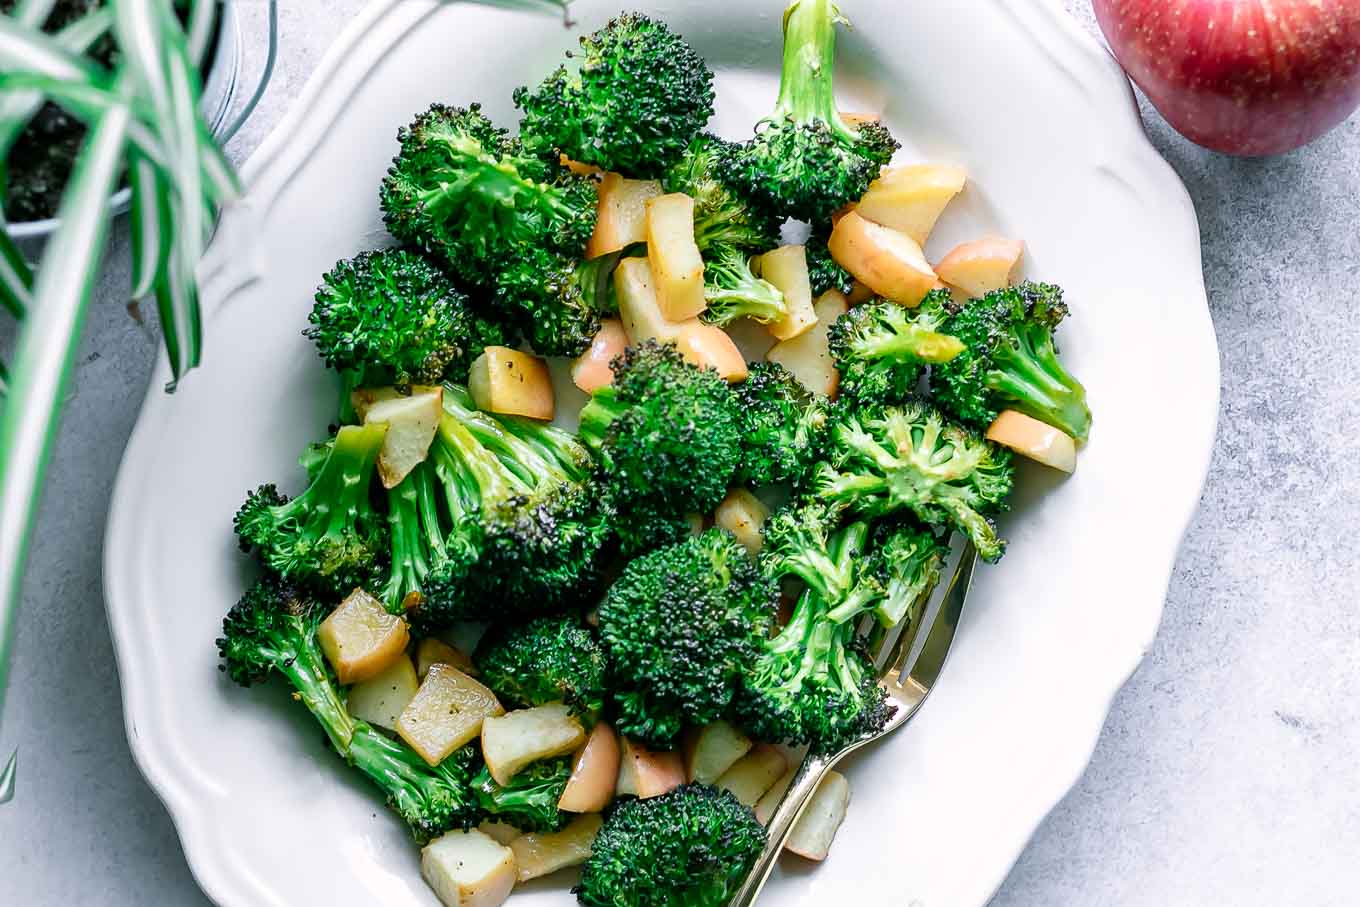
[1245, 77]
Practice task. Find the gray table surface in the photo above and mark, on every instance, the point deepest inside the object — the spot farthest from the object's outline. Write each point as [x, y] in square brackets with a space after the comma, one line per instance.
[1227, 771]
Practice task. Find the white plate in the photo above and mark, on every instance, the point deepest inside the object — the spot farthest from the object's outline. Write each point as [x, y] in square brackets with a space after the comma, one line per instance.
[1046, 125]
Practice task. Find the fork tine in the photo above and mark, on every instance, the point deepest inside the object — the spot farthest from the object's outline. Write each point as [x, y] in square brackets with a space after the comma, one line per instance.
[928, 665]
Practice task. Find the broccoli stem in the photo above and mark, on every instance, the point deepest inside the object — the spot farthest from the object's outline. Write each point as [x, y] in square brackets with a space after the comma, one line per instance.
[597, 415]
[339, 492]
[1031, 377]
[806, 94]
[463, 454]
[907, 342]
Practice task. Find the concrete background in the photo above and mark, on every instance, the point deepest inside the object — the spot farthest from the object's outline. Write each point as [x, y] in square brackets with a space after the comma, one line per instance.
[1227, 771]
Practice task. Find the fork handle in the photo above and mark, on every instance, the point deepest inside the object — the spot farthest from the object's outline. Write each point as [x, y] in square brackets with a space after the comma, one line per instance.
[801, 789]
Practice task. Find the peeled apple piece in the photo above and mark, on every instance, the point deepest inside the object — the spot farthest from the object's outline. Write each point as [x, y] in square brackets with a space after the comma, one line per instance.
[981, 266]
[1036, 440]
[889, 262]
[911, 197]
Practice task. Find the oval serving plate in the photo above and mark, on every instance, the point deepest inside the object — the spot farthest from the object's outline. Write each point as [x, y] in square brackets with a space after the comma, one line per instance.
[1046, 125]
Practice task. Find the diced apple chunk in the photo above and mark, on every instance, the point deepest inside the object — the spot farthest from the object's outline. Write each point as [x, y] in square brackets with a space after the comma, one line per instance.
[360, 638]
[786, 268]
[508, 381]
[743, 514]
[753, 774]
[381, 699]
[1036, 440]
[468, 869]
[770, 800]
[910, 198]
[411, 424]
[647, 773]
[808, 356]
[540, 854]
[677, 266]
[594, 773]
[712, 750]
[498, 831]
[889, 262]
[815, 829]
[590, 371]
[447, 711]
[708, 346]
[622, 218]
[515, 739]
[431, 651]
[638, 306]
[981, 266]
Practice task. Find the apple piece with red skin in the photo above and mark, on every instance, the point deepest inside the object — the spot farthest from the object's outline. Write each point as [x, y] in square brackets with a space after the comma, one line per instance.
[1245, 77]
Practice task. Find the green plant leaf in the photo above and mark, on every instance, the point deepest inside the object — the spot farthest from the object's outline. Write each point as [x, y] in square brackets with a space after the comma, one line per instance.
[46, 350]
[151, 226]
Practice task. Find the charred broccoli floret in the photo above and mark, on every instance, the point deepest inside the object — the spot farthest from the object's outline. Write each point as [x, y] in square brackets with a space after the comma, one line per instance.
[666, 436]
[733, 291]
[883, 460]
[512, 499]
[691, 847]
[548, 659]
[556, 299]
[462, 191]
[823, 272]
[391, 317]
[805, 160]
[723, 214]
[909, 557]
[636, 97]
[882, 348]
[813, 683]
[679, 627]
[529, 801]
[782, 426]
[330, 536]
[273, 629]
[1011, 362]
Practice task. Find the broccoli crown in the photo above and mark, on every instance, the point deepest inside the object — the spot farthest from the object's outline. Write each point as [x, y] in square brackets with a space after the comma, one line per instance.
[734, 291]
[679, 627]
[691, 847]
[511, 498]
[548, 659]
[273, 629]
[888, 459]
[529, 801]
[639, 95]
[882, 348]
[666, 434]
[329, 536]
[910, 557]
[1010, 361]
[558, 299]
[391, 317]
[782, 426]
[461, 190]
[823, 272]
[805, 161]
[814, 683]
[723, 214]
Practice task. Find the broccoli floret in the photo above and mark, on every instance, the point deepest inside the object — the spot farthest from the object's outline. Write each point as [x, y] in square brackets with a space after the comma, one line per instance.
[666, 435]
[823, 272]
[529, 801]
[391, 317]
[882, 348]
[636, 99]
[273, 629]
[782, 426]
[548, 659]
[734, 291]
[723, 214]
[518, 527]
[680, 626]
[1011, 362]
[813, 683]
[888, 459]
[691, 847]
[329, 536]
[805, 161]
[910, 557]
[460, 190]
[557, 299]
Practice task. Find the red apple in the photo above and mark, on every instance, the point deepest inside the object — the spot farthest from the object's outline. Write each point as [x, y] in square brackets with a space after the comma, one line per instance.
[1248, 77]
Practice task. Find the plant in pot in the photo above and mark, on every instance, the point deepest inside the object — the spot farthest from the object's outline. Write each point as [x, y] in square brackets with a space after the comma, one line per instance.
[101, 108]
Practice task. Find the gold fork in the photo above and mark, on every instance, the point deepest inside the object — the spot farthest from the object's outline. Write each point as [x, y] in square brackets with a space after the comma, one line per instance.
[907, 686]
